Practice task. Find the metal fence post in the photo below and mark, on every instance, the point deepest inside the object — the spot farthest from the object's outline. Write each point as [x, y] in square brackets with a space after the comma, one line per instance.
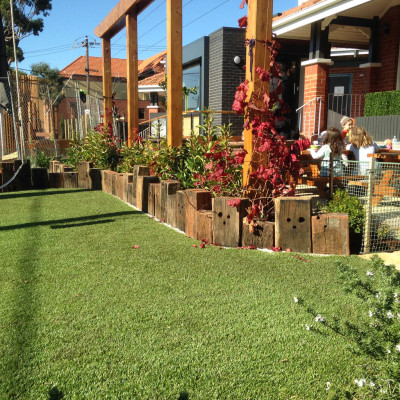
[368, 217]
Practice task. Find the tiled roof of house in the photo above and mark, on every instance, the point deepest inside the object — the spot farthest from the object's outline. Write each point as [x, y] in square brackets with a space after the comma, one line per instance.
[306, 4]
[118, 66]
[153, 80]
[77, 67]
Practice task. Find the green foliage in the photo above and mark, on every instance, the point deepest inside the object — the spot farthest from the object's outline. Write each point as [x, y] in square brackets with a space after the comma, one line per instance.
[382, 103]
[42, 161]
[137, 154]
[99, 146]
[188, 163]
[51, 82]
[374, 334]
[28, 21]
[342, 202]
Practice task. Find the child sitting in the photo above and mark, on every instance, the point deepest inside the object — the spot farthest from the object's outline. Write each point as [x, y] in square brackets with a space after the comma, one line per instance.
[347, 123]
[361, 144]
[331, 143]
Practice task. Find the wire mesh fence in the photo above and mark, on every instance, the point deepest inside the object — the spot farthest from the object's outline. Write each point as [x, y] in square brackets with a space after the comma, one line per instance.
[32, 126]
[375, 184]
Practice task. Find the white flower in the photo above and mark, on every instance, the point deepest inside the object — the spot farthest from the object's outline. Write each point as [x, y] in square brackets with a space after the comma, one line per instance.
[372, 384]
[396, 297]
[308, 327]
[378, 295]
[360, 382]
[319, 318]
[371, 314]
[296, 300]
[390, 315]
[389, 351]
[398, 347]
[328, 385]
[370, 273]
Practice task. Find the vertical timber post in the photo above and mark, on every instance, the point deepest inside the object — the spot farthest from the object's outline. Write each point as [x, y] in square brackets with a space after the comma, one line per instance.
[259, 27]
[107, 82]
[174, 72]
[132, 75]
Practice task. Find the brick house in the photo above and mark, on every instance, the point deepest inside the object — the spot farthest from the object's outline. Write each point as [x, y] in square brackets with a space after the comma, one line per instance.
[151, 73]
[336, 51]
[353, 50]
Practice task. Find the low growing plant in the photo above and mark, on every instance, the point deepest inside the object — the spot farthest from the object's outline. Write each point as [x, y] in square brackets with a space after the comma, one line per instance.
[342, 202]
[42, 161]
[376, 334]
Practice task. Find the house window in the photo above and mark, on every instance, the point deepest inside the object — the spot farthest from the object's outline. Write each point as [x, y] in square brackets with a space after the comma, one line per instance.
[153, 98]
[141, 113]
[191, 80]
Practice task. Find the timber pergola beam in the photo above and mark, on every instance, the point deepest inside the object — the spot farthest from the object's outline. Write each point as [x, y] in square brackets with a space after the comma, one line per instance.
[259, 27]
[124, 14]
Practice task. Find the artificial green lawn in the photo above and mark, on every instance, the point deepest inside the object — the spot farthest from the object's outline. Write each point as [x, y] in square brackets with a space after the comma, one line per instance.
[84, 315]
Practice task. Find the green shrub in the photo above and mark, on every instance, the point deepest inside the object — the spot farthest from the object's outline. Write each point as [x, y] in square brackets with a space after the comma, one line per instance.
[137, 154]
[382, 103]
[42, 161]
[99, 146]
[342, 202]
[374, 333]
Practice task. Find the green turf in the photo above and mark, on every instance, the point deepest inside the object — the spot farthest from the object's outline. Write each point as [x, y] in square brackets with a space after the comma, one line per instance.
[84, 315]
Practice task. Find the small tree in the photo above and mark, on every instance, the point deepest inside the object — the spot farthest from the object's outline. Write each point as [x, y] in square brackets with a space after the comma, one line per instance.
[51, 82]
[27, 20]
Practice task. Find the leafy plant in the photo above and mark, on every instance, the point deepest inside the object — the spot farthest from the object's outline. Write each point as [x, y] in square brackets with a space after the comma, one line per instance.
[375, 335]
[342, 202]
[42, 161]
[382, 103]
[99, 146]
[135, 154]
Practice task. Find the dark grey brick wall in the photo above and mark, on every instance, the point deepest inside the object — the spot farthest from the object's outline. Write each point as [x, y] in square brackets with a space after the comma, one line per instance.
[225, 75]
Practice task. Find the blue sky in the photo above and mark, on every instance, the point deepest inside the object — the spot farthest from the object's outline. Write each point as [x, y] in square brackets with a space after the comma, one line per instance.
[70, 20]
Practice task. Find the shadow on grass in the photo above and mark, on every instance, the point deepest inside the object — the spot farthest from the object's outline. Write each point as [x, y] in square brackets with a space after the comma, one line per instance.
[23, 328]
[79, 220]
[103, 221]
[44, 192]
[183, 396]
[55, 394]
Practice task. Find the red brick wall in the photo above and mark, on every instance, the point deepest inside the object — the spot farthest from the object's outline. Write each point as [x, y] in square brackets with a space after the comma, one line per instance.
[315, 85]
[389, 50]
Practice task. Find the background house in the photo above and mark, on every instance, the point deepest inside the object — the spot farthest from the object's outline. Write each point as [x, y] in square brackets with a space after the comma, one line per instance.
[151, 96]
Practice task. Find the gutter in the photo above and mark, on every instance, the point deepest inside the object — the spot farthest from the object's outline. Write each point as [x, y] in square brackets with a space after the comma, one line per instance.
[316, 12]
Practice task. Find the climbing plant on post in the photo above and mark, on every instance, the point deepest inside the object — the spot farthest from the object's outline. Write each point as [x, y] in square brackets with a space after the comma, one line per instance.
[271, 168]
[259, 29]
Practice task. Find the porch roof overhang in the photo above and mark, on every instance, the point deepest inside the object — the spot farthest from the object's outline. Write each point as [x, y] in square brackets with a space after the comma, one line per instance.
[150, 88]
[297, 25]
[115, 20]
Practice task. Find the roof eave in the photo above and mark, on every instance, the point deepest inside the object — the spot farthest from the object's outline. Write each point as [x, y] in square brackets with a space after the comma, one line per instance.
[312, 14]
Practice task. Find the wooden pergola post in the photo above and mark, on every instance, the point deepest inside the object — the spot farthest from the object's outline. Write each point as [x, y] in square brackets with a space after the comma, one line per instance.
[123, 14]
[259, 27]
[174, 72]
[107, 82]
[132, 75]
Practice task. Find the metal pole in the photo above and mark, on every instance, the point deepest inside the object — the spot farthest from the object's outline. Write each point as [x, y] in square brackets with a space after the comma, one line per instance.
[331, 175]
[52, 128]
[20, 153]
[319, 116]
[79, 111]
[86, 44]
[13, 114]
[2, 135]
[368, 217]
